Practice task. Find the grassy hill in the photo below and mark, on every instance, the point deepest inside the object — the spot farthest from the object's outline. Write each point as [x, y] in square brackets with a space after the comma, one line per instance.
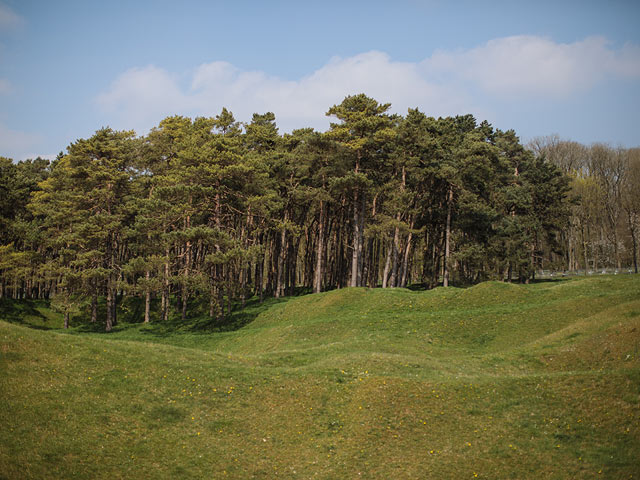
[494, 381]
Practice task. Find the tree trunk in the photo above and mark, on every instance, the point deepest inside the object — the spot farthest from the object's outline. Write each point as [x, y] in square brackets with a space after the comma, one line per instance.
[405, 262]
[361, 240]
[447, 239]
[532, 276]
[387, 267]
[634, 241]
[183, 310]
[165, 287]
[319, 273]
[394, 254]
[94, 305]
[114, 306]
[260, 278]
[213, 302]
[282, 257]
[147, 299]
[187, 270]
[110, 301]
[355, 255]
[374, 255]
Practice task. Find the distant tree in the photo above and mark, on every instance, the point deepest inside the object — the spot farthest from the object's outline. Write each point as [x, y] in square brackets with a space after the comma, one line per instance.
[630, 198]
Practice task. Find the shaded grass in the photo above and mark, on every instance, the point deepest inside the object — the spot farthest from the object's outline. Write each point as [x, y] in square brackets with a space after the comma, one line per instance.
[498, 381]
[32, 313]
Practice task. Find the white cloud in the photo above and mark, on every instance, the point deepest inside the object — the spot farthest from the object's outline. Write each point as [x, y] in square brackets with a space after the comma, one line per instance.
[141, 97]
[140, 94]
[447, 83]
[8, 18]
[304, 102]
[536, 66]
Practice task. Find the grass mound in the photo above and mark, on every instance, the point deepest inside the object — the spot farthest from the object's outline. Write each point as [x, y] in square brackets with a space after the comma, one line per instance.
[495, 381]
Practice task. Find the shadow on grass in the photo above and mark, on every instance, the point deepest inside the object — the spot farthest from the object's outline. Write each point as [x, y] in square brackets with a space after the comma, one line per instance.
[197, 322]
[25, 313]
[239, 317]
[549, 280]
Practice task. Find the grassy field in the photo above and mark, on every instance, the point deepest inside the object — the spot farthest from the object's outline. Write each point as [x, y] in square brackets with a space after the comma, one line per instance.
[497, 381]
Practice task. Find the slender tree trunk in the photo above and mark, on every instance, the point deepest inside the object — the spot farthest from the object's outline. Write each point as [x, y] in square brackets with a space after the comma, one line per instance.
[584, 249]
[289, 268]
[294, 247]
[183, 313]
[272, 264]
[212, 302]
[634, 241]
[260, 273]
[165, 287]
[94, 305]
[111, 287]
[319, 274]
[114, 305]
[395, 246]
[361, 240]
[371, 279]
[355, 256]
[147, 298]
[220, 291]
[110, 301]
[405, 261]
[342, 264]
[616, 250]
[436, 259]
[243, 285]
[387, 267]
[281, 264]
[374, 247]
[447, 238]
[246, 227]
[533, 263]
[187, 268]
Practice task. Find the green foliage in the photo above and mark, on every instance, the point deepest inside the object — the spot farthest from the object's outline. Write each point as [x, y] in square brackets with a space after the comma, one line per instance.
[212, 208]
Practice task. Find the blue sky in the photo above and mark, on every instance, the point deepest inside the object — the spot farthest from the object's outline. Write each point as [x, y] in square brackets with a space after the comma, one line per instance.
[68, 68]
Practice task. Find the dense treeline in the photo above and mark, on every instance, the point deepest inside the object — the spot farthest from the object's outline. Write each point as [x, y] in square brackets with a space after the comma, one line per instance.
[214, 211]
[605, 197]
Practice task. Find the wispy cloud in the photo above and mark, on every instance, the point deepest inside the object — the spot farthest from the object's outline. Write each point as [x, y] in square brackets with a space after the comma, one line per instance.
[446, 83]
[523, 66]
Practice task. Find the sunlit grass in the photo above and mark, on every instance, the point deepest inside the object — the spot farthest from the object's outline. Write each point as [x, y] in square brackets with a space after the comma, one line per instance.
[495, 381]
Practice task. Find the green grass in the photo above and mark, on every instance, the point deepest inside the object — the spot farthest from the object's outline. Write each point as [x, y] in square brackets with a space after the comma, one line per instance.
[494, 381]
